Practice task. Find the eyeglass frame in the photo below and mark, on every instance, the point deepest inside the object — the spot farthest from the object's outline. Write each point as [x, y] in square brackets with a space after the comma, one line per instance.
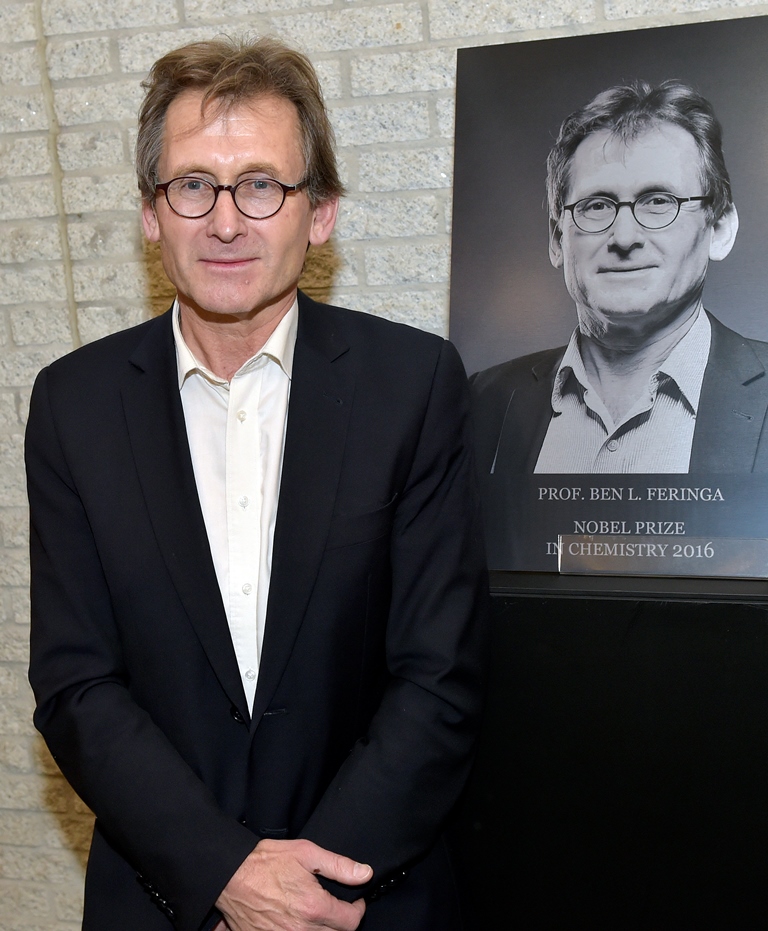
[232, 188]
[618, 204]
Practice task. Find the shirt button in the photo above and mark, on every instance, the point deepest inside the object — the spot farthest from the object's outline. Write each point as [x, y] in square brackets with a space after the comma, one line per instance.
[241, 416]
[247, 588]
[243, 501]
[612, 445]
[250, 675]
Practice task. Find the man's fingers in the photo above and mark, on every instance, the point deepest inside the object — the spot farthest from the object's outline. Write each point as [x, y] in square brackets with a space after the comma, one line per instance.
[323, 862]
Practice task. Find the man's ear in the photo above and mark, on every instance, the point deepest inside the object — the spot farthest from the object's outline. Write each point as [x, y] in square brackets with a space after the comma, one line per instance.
[724, 234]
[323, 221]
[149, 221]
[555, 244]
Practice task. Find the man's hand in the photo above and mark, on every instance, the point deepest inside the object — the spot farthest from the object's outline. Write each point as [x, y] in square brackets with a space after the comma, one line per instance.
[276, 889]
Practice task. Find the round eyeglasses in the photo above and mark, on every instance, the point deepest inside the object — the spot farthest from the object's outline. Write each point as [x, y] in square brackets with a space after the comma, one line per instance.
[257, 198]
[653, 211]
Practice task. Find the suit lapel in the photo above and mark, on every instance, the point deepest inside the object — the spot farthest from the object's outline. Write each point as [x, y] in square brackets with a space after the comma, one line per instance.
[155, 420]
[527, 420]
[732, 406]
[318, 415]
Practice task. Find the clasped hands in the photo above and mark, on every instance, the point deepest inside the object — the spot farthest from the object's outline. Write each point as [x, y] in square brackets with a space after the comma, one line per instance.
[276, 889]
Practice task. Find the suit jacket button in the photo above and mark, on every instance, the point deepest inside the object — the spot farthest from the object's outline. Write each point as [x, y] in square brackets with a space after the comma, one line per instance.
[236, 716]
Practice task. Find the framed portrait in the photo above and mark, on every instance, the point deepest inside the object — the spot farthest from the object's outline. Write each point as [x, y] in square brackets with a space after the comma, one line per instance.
[614, 323]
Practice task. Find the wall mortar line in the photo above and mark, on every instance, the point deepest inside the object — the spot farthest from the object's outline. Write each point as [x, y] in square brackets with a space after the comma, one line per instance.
[56, 172]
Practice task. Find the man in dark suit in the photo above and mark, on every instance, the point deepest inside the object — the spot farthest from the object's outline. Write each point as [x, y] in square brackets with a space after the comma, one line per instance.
[640, 202]
[257, 579]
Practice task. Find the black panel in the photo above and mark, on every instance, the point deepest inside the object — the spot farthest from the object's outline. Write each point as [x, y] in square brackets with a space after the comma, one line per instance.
[621, 780]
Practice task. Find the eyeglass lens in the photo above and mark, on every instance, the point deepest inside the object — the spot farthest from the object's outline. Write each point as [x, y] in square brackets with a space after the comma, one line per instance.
[653, 211]
[257, 198]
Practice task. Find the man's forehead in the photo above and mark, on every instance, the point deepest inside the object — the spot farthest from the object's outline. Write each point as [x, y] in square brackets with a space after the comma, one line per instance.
[658, 151]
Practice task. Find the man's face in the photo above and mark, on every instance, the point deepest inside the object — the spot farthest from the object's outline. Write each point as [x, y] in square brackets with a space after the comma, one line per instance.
[226, 263]
[630, 283]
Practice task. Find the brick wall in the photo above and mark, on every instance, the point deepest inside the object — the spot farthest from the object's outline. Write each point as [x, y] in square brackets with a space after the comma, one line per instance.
[73, 266]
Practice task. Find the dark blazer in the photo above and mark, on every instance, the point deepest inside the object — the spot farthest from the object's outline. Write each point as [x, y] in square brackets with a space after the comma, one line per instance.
[370, 684]
[512, 407]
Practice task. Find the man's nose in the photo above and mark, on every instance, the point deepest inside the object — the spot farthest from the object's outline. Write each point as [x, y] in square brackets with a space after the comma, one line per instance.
[626, 231]
[225, 220]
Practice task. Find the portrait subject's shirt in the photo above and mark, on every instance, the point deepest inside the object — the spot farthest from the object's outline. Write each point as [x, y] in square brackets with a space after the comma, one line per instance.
[656, 435]
[236, 434]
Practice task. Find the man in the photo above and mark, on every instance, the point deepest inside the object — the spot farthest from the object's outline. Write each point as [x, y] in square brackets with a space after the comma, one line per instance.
[639, 202]
[257, 583]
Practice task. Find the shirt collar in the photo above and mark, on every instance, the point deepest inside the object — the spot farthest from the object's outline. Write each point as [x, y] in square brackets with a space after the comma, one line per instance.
[279, 347]
[684, 365]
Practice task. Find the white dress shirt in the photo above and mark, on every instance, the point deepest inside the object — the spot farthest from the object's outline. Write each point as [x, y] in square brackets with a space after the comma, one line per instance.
[236, 433]
[656, 435]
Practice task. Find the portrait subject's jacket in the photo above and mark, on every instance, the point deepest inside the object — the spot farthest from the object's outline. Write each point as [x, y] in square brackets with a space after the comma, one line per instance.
[513, 405]
[369, 688]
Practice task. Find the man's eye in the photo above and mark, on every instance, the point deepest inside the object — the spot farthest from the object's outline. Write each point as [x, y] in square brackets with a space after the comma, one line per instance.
[594, 206]
[192, 186]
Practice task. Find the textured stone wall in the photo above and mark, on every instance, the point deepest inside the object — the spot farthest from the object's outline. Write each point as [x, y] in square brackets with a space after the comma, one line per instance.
[73, 266]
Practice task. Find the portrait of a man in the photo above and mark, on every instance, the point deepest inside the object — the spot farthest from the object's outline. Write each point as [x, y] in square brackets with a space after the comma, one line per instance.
[608, 283]
[640, 203]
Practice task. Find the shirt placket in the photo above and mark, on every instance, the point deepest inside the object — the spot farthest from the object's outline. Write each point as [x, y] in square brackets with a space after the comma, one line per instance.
[243, 494]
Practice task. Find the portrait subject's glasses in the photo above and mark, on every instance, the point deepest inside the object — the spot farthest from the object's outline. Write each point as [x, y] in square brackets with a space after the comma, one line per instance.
[652, 211]
[257, 198]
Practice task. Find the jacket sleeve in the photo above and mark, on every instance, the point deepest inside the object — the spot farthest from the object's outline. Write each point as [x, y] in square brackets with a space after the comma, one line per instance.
[389, 800]
[150, 804]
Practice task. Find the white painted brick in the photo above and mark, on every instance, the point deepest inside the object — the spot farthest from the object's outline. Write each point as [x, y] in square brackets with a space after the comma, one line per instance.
[213, 10]
[137, 53]
[625, 10]
[40, 325]
[78, 58]
[14, 757]
[403, 72]
[329, 266]
[16, 715]
[427, 310]
[26, 901]
[451, 20]
[371, 27]
[49, 866]
[123, 280]
[24, 155]
[9, 418]
[27, 200]
[19, 608]
[423, 263]
[94, 194]
[378, 217]
[22, 111]
[25, 241]
[106, 237]
[329, 74]
[406, 169]
[400, 121]
[96, 322]
[18, 20]
[12, 484]
[62, 18]
[97, 103]
[18, 368]
[14, 567]
[446, 113]
[20, 66]
[14, 648]
[23, 828]
[31, 283]
[68, 902]
[13, 524]
[80, 150]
